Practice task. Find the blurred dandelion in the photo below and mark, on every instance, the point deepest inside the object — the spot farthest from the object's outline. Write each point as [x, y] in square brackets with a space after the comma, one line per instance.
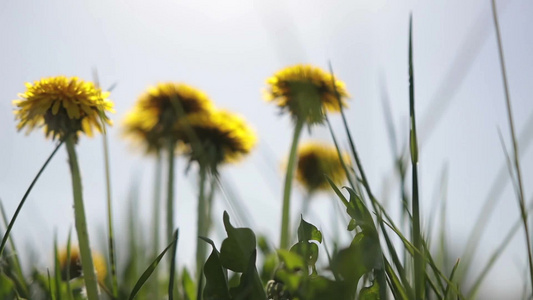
[316, 160]
[305, 92]
[72, 266]
[215, 138]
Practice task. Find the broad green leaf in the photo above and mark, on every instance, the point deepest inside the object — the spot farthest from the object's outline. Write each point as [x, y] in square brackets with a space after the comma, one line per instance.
[292, 261]
[250, 286]
[216, 277]
[319, 288]
[308, 250]
[188, 285]
[360, 258]
[237, 248]
[308, 232]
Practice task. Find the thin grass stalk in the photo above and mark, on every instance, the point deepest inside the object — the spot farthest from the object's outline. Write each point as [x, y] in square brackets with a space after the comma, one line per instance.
[19, 207]
[291, 165]
[81, 223]
[417, 234]
[341, 158]
[156, 218]
[201, 246]
[494, 257]
[170, 192]
[521, 200]
[111, 232]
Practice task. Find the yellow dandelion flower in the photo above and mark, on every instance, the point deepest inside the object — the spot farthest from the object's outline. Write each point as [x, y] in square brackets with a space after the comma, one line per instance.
[315, 160]
[306, 92]
[73, 267]
[223, 137]
[155, 115]
[63, 106]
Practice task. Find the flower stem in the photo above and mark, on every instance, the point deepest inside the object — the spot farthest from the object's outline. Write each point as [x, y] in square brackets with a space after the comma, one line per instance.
[170, 193]
[202, 227]
[157, 216]
[285, 218]
[81, 223]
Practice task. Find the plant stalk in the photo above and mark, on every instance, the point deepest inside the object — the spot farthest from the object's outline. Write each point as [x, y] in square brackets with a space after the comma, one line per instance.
[285, 217]
[81, 224]
[170, 192]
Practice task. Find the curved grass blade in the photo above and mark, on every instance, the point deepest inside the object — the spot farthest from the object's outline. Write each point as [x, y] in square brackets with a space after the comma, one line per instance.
[144, 277]
[19, 207]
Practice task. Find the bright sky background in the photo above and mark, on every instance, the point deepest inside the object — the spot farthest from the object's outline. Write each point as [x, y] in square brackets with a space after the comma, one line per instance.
[228, 49]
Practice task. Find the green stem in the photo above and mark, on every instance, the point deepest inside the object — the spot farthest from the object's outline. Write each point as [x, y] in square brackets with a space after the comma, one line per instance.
[202, 227]
[521, 201]
[111, 231]
[157, 217]
[81, 223]
[170, 192]
[285, 218]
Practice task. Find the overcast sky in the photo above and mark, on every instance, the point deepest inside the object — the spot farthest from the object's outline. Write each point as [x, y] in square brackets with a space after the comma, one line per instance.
[228, 49]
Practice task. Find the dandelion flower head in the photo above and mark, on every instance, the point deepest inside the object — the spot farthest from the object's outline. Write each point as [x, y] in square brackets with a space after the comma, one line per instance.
[155, 115]
[216, 137]
[315, 161]
[63, 106]
[306, 92]
[73, 266]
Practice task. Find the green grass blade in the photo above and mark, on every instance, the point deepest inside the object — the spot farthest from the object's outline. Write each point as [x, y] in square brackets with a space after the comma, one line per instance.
[110, 230]
[417, 234]
[446, 293]
[57, 270]
[144, 277]
[521, 200]
[173, 266]
[19, 207]
[69, 290]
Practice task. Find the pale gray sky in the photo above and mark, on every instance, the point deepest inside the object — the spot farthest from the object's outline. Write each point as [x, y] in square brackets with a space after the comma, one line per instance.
[228, 49]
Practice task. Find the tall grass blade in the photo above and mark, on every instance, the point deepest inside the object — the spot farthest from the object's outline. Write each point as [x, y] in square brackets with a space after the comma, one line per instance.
[144, 277]
[173, 266]
[417, 234]
[521, 199]
[110, 230]
[19, 207]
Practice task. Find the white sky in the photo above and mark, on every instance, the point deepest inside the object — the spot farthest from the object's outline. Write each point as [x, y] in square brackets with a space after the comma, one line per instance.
[228, 49]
